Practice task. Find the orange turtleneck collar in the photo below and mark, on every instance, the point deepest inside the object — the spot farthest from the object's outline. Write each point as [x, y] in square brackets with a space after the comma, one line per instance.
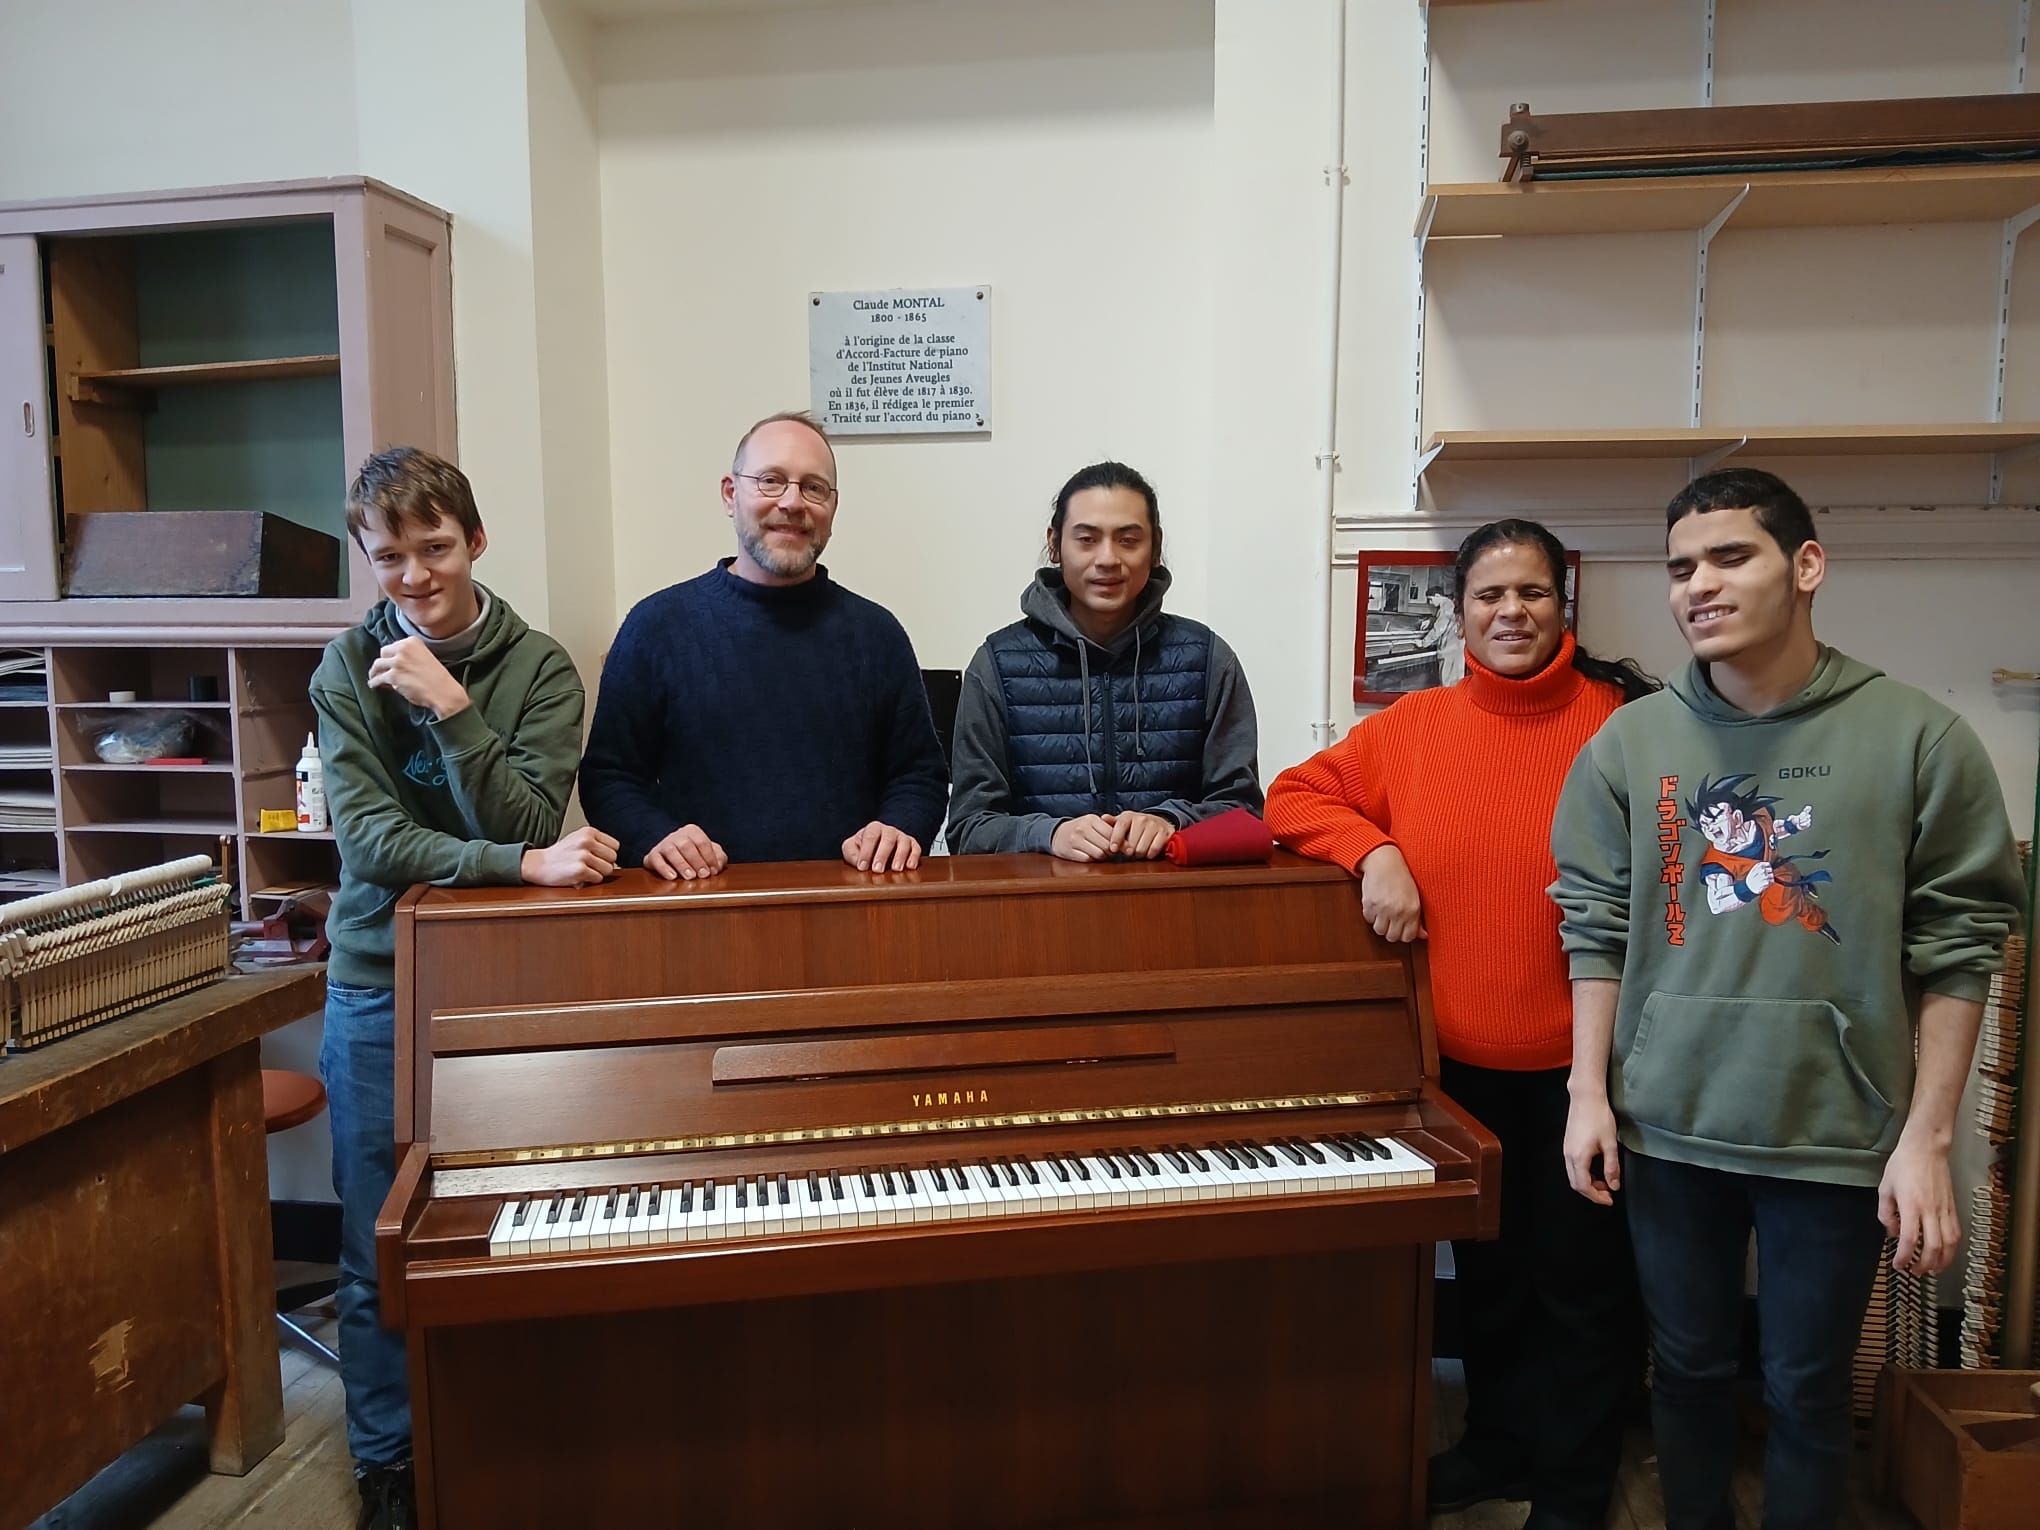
[1546, 691]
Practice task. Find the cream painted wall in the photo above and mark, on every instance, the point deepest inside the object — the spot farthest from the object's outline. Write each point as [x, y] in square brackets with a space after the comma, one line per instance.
[106, 96]
[444, 113]
[1059, 151]
[573, 383]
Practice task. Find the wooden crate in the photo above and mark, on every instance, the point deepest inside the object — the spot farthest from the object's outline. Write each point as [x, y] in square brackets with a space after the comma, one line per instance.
[198, 552]
[1930, 1463]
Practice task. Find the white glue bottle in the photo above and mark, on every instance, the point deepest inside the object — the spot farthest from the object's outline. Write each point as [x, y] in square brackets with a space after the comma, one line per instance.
[311, 789]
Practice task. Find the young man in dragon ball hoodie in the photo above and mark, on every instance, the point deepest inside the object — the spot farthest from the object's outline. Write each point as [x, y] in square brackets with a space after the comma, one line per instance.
[1775, 877]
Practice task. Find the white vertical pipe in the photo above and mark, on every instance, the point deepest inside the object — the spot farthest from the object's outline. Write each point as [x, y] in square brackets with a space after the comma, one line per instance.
[1322, 730]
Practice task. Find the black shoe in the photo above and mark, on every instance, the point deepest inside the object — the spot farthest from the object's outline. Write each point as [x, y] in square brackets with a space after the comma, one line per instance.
[1460, 1478]
[388, 1499]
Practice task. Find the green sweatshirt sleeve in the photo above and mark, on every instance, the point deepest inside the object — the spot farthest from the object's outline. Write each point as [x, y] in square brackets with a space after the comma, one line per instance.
[514, 790]
[379, 841]
[1963, 891]
[1590, 841]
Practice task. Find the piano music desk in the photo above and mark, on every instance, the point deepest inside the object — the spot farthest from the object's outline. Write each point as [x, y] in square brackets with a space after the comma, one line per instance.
[135, 1269]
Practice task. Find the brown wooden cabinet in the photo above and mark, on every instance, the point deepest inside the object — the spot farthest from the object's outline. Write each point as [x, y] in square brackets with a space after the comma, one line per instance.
[236, 348]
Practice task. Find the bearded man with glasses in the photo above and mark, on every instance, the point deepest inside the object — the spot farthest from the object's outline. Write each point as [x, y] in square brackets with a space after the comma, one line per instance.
[762, 712]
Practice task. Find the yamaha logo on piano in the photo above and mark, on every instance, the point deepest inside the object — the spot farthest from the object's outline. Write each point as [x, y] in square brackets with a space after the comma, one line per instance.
[952, 1097]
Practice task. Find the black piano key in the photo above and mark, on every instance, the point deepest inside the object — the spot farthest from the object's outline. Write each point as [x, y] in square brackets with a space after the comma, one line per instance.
[1083, 1169]
[1062, 1171]
[522, 1215]
[1225, 1156]
[708, 1195]
[835, 1184]
[1146, 1163]
[1006, 1171]
[608, 1208]
[1176, 1160]
[1345, 1153]
[870, 1189]
[885, 1180]
[785, 1197]
[1380, 1148]
[1262, 1156]
[1111, 1163]
[1366, 1146]
[654, 1199]
[574, 1211]
[1197, 1160]
[1307, 1150]
[1289, 1153]
[814, 1185]
[1027, 1168]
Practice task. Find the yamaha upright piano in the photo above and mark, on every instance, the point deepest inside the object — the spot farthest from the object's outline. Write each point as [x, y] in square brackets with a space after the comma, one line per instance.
[1006, 1192]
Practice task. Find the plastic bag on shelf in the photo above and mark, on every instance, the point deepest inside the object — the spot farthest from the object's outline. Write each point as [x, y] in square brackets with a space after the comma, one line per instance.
[133, 738]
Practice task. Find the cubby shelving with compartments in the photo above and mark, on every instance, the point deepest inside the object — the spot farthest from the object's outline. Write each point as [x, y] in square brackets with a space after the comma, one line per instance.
[105, 817]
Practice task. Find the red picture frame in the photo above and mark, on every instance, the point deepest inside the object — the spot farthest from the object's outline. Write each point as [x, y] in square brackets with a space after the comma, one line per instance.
[1405, 635]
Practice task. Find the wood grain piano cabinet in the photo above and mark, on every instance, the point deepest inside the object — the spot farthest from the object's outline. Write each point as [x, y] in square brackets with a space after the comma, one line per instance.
[135, 1270]
[1006, 1192]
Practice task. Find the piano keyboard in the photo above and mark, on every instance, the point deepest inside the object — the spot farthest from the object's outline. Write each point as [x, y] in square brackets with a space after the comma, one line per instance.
[776, 1205]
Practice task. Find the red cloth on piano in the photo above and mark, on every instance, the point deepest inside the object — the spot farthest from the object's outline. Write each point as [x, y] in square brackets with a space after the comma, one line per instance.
[1229, 839]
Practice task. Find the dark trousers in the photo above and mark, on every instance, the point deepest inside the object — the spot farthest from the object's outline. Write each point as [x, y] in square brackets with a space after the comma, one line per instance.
[1552, 1335]
[1817, 1252]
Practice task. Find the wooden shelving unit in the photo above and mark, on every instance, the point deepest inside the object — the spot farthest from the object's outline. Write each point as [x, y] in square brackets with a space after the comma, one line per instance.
[120, 385]
[1776, 199]
[114, 816]
[1455, 446]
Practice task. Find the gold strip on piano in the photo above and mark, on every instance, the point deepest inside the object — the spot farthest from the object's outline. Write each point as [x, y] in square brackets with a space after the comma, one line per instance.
[566, 1152]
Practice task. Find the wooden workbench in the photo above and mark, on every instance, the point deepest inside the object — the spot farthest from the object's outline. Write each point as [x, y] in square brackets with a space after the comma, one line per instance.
[135, 1268]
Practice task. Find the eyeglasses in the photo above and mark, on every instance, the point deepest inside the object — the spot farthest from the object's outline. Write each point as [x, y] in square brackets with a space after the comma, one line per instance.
[772, 485]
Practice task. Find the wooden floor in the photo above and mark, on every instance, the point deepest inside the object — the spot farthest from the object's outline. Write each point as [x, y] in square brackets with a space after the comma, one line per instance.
[308, 1482]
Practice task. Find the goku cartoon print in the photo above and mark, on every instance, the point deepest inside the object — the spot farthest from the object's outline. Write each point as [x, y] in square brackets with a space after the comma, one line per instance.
[1744, 864]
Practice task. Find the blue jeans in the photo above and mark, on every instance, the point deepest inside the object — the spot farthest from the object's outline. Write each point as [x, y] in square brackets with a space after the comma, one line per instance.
[358, 1060]
[1817, 1252]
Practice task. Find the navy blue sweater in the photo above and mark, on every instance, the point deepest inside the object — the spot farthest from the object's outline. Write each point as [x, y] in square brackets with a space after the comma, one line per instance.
[781, 719]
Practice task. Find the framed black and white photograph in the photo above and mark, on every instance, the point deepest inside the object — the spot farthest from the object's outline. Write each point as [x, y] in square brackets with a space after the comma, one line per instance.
[1407, 638]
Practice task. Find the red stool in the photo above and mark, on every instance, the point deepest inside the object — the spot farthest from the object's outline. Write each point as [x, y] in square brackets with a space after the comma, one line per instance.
[291, 1099]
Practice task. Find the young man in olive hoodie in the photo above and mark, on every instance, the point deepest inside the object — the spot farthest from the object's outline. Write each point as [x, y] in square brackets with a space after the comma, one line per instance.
[1774, 877]
[449, 732]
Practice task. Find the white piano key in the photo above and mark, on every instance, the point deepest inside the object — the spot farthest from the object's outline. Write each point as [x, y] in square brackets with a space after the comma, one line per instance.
[602, 1225]
[521, 1233]
[582, 1220]
[499, 1230]
[718, 1207]
[694, 1224]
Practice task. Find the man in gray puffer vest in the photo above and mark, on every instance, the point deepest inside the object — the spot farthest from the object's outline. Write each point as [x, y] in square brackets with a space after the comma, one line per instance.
[1098, 725]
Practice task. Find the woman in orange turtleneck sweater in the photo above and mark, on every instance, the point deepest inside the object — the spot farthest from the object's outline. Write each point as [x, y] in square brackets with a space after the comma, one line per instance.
[1441, 804]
